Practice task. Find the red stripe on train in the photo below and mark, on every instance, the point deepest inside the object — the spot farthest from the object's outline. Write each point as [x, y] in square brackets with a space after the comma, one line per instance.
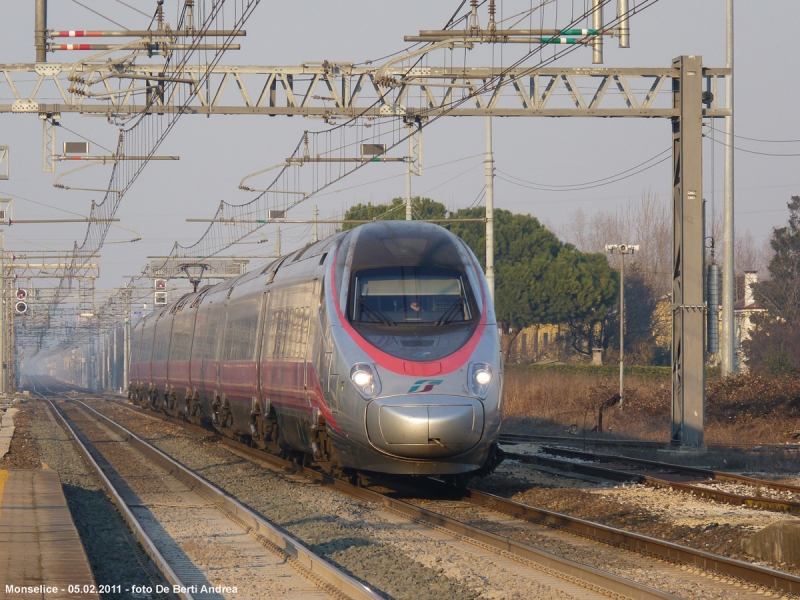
[448, 364]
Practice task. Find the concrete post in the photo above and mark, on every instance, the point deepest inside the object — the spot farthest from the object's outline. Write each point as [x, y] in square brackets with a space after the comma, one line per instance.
[408, 171]
[125, 350]
[621, 330]
[489, 208]
[3, 388]
[728, 268]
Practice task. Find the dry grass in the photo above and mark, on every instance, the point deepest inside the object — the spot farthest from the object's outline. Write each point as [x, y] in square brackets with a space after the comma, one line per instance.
[751, 409]
[552, 401]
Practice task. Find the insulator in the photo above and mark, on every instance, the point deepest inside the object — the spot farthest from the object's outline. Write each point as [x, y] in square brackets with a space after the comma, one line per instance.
[712, 298]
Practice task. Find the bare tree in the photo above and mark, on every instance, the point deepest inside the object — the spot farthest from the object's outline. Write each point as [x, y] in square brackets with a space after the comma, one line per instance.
[647, 223]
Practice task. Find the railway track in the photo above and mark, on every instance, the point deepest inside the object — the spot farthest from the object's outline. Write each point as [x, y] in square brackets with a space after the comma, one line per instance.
[204, 543]
[511, 439]
[732, 578]
[575, 579]
[728, 488]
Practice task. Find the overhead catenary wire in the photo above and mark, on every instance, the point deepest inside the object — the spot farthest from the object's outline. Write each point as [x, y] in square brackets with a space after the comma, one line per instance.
[99, 14]
[60, 125]
[737, 149]
[212, 242]
[133, 8]
[760, 140]
[585, 187]
[585, 183]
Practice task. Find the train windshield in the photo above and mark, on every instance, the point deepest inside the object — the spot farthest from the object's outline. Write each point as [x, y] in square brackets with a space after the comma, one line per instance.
[428, 296]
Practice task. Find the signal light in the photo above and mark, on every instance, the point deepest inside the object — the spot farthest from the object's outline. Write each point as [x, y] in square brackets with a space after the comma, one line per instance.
[160, 298]
[22, 294]
[21, 307]
[160, 284]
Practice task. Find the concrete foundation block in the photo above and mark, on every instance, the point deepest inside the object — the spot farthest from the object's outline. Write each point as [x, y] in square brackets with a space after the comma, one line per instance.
[779, 542]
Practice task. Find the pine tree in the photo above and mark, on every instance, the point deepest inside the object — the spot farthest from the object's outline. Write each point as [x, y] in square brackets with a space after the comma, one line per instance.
[774, 344]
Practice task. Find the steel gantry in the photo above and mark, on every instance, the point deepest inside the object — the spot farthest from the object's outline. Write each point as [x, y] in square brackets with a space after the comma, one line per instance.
[686, 93]
[330, 90]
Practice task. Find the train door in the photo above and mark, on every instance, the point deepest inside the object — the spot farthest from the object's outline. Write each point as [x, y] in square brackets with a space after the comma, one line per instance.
[262, 341]
[209, 368]
[326, 360]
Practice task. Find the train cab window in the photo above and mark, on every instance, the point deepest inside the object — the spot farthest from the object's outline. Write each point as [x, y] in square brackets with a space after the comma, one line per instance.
[408, 296]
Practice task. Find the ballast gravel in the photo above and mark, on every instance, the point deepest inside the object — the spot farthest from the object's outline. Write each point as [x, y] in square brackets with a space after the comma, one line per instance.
[204, 546]
[661, 513]
[401, 560]
[114, 555]
[662, 575]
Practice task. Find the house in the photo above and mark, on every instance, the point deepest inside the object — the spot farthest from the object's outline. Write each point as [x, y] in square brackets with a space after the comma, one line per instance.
[743, 312]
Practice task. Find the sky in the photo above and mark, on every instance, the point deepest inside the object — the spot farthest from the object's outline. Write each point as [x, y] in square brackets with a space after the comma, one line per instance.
[215, 153]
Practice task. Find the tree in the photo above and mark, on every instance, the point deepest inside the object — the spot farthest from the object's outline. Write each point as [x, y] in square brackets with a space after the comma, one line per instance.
[538, 278]
[781, 293]
[422, 208]
[774, 344]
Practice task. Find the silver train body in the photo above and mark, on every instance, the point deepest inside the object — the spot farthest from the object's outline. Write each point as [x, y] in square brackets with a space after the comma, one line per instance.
[376, 349]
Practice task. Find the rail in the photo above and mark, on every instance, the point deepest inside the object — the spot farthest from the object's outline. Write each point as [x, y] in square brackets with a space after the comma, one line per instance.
[724, 566]
[317, 566]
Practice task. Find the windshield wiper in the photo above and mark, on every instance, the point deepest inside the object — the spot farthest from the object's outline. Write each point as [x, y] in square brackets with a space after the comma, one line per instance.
[451, 313]
[376, 313]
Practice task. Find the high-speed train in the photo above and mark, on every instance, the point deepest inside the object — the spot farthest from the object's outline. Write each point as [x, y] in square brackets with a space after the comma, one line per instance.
[376, 349]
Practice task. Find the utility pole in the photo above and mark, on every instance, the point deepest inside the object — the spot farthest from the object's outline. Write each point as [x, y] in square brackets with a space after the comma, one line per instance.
[40, 33]
[315, 237]
[408, 171]
[728, 359]
[489, 208]
[114, 377]
[622, 249]
[126, 340]
[278, 244]
[597, 24]
[3, 388]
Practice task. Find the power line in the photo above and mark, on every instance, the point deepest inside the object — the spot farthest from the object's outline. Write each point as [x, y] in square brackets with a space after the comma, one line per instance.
[134, 8]
[100, 14]
[59, 124]
[585, 187]
[579, 185]
[754, 151]
[69, 212]
[751, 139]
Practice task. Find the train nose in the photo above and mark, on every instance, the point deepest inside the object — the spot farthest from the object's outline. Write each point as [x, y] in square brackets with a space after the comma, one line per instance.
[425, 426]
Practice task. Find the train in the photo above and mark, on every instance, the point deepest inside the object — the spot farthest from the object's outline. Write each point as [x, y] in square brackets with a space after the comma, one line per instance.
[375, 350]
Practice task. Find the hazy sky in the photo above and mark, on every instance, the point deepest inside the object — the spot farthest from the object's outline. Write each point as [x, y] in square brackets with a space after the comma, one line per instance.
[217, 152]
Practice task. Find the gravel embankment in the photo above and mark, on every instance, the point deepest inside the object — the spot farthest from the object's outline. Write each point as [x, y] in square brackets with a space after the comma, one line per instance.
[399, 559]
[23, 452]
[665, 576]
[114, 554]
[665, 514]
[756, 491]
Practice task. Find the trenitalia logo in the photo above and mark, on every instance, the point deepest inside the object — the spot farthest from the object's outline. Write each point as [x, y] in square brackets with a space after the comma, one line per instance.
[425, 384]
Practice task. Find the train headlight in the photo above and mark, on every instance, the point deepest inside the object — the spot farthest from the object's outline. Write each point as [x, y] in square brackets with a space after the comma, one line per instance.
[480, 378]
[365, 380]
